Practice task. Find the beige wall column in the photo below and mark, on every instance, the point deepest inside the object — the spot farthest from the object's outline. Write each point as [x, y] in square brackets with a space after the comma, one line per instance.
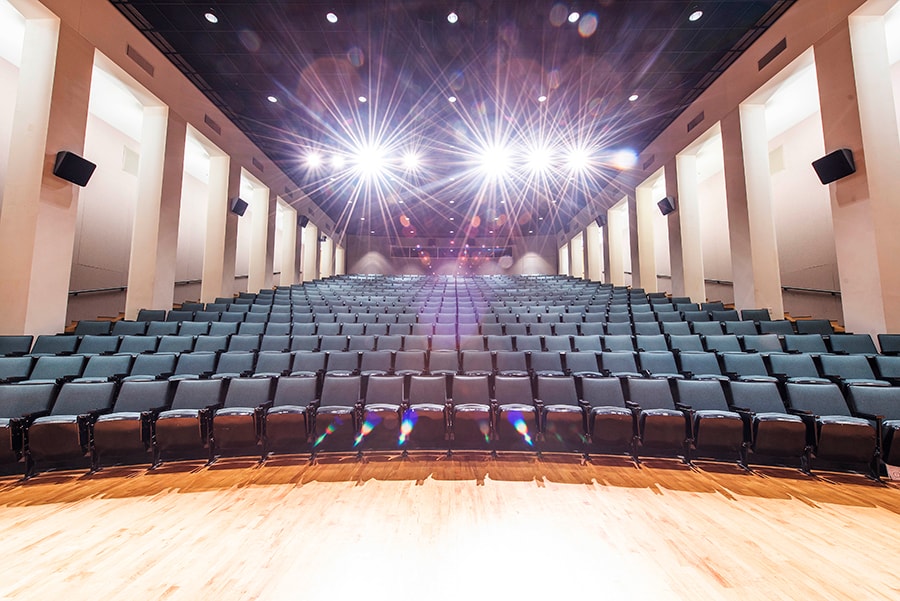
[221, 176]
[860, 115]
[617, 236]
[645, 275]
[563, 260]
[576, 255]
[340, 260]
[761, 219]
[689, 221]
[633, 241]
[310, 253]
[259, 239]
[326, 257]
[604, 244]
[151, 270]
[676, 262]
[593, 251]
[39, 210]
[287, 262]
[738, 215]
[270, 242]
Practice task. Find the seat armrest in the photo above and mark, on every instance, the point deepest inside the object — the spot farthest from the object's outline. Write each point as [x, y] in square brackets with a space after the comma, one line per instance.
[632, 405]
[732, 375]
[870, 416]
[165, 375]
[683, 407]
[688, 375]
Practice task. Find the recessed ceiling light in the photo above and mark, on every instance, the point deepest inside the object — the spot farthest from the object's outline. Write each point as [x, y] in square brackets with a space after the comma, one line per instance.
[452, 17]
[633, 97]
[371, 231]
[363, 99]
[272, 99]
[331, 17]
[530, 231]
[452, 202]
[362, 218]
[452, 232]
[211, 17]
[574, 16]
[695, 16]
[542, 98]
[451, 98]
[453, 219]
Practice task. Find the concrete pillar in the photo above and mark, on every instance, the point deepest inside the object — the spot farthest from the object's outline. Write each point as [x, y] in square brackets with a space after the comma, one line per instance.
[261, 203]
[676, 263]
[563, 260]
[688, 215]
[646, 211]
[617, 234]
[633, 240]
[761, 217]
[220, 174]
[326, 257]
[39, 211]
[154, 240]
[576, 256]
[340, 261]
[593, 251]
[309, 253]
[858, 112]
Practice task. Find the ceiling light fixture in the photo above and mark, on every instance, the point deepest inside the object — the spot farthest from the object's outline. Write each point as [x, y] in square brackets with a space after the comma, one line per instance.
[452, 17]
[633, 97]
[331, 18]
[542, 98]
[363, 99]
[695, 16]
[272, 99]
[451, 98]
[211, 16]
[574, 16]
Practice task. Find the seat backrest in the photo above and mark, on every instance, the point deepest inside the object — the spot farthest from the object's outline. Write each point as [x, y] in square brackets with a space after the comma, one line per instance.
[888, 366]
[723, 343]
[557, 390]
[384, 389]
[814, 326]
[650, 393]
[744, 364]
[408, 362]
[618, 361]
[105, 366]
[794, 366]
[876, 400]
[333, 343]
[361, 343]
[342, 361]
[755, 314]
[471, 389]
[603, 392]
[547, 361]
[194, 328]
[587, 343]
[50, 367]
[853, 344]
[889, 343]
[248, 392]
[18, 400]
[15, 367]
[195, 363]
[340, 390]
[87, 327]
[162, 328]
[275, 343]
[47, 344]
[700, 363]
[528, 343]
[692, 316]
[511, 361]
[76, 398]
[818, 399]
[153, 365]
[499, 343]
[513, 389]
[706, 328]
[197, 394]
[477, 361]
[558, 343]
[762, 343]
[211, 344]
[427, 389]
[848, 367]
[702, 394]
[805, 343]
[151, 315]
[294, 391]
[175, 344]
[235, 362]
[689, 342]
[242, 342]
[143, 395]
[582, 362]
[740, 328]
[658, 362]
[781, 327]
[129, 328]
[653, 342]
[758, 397]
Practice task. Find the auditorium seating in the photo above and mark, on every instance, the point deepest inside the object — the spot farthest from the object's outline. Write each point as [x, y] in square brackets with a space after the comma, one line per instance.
[533, 364]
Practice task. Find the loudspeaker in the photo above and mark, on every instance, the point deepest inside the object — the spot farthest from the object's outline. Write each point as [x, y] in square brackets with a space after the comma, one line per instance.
[302, 220]
[72, 168]
[835, 165]
[239, 207]
[601, 220]
[666, 205]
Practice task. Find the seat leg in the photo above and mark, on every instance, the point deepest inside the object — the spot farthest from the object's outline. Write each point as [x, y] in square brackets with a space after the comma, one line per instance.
[806, 461]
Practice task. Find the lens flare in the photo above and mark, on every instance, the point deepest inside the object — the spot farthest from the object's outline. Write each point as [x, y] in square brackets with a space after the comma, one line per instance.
[372, 420]
[328, 432]
[518, 422]
[485, 428]
[407, 425]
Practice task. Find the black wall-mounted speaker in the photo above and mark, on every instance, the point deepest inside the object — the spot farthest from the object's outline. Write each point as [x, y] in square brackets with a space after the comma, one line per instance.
[239, 207]
[72, 168]
[601, 220]
[666, 205]
[302, 220]
[835, 165]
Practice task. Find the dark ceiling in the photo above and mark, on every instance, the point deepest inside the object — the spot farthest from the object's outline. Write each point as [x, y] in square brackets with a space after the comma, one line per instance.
[523, 76]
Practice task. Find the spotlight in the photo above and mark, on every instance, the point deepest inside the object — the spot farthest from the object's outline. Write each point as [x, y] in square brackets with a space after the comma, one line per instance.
[370, 160]
[363, 99]
[495, 161]
[633, 97]
[578, 159]
[538, 159]
[331, 17]
[338, 161]
[211, 17]
[272, 99]
[542, 98]
[574, 16]
[695, 16]
[313, 160]
[451, 99]
[410, 161]
[452, 17]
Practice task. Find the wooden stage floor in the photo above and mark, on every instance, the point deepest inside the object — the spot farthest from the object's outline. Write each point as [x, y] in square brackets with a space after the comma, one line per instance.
[448, 529]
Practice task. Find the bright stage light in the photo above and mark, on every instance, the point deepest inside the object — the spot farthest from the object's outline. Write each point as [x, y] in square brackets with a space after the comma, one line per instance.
[313, 160]
[338, 161]
[578, 159]
[538, 159]
[495, 161]
[370, 160]
[411, 161]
